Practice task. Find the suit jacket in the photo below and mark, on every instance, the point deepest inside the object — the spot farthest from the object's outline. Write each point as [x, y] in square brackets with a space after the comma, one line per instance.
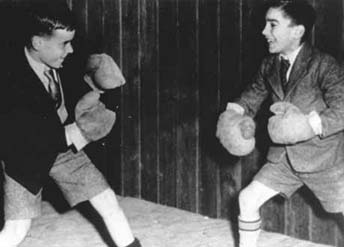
[31, 134]
[316, 83]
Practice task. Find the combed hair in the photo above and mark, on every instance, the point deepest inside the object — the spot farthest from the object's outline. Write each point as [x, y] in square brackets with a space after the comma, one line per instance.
[300, 12]
[44, 18]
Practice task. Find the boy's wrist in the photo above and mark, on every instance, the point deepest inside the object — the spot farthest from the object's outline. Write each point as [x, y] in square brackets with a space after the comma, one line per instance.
[235, 107]
[75, 137]
[314, 121]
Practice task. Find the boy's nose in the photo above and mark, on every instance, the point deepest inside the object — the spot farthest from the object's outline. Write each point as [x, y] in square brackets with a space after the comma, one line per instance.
[264, 31]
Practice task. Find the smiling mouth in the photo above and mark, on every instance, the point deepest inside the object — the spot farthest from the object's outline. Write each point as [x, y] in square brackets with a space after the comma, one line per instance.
[270, 42]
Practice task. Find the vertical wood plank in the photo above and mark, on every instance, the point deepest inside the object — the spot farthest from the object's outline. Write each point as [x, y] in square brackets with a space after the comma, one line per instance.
[341, 56]
[210, 203]
[322, 226]
[113, 47]
[112, 29]
[272, 214]
[187, 131]
[297, 216]
[80, 9]
[339, 235]
[131, 166]
[95, 20]
[168, 96]
[69, 3]
[328, 28]
[229, 29]
[149, 100]
[2, 213]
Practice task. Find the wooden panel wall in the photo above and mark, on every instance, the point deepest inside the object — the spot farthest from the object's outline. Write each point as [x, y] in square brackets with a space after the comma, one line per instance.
[183, 61]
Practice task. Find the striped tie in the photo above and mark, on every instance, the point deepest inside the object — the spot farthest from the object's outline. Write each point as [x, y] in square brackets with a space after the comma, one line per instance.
[285, 64]
[53, 86]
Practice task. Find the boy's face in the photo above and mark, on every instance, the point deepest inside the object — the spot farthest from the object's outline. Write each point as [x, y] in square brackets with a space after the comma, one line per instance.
[282, 36]
[53, 49]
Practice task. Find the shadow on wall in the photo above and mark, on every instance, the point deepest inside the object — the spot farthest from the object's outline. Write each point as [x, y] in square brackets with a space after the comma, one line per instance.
[11, 19]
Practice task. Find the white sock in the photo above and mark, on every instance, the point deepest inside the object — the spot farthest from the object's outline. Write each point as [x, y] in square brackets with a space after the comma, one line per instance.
[248, 232]
[116, 222]
[119, 229]
[14, 232]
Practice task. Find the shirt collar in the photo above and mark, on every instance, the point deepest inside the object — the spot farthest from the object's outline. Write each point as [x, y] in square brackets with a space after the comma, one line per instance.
[292, 56]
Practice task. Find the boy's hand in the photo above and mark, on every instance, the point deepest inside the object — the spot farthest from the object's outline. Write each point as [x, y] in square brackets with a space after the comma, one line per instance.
[92, 117]
[236, 132]
[247, 127]
[289, 125]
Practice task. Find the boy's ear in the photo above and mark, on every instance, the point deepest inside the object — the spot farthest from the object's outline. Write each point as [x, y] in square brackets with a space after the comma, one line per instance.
[36, 42]
[299, 31]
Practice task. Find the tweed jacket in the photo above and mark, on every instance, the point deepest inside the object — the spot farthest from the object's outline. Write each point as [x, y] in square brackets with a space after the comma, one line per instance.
[316, 83]
[31, 133]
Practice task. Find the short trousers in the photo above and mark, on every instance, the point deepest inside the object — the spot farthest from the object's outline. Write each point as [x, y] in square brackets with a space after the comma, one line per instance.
[74, 173]
[327, 185]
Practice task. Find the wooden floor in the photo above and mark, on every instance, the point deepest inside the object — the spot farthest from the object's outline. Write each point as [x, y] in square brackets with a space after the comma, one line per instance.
[153, 224]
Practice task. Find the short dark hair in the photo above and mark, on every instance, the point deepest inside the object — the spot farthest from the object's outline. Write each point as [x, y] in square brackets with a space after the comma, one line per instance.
[45, 17]
[300, 12]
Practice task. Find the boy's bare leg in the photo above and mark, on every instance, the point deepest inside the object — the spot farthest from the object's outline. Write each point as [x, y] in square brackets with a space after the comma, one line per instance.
[116, 222]
[14, 232]
[251, 199]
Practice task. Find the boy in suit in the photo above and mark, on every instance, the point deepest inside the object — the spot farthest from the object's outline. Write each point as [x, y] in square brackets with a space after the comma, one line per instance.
[306, 87]
[43, 133]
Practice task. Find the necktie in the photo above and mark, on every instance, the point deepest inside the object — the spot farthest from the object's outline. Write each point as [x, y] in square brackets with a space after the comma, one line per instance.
[53, 87]
[285, 64]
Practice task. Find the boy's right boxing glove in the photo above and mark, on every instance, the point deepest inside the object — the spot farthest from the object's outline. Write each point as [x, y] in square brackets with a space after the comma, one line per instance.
[92, 117]
[236, 132]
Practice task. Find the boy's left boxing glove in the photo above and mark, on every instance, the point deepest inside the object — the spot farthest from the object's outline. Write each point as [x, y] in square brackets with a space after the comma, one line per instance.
[289, 125]
[102, 73]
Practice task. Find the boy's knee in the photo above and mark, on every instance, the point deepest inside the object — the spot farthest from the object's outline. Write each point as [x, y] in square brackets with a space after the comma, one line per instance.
[247, 201]
[253, 197]
[108, 196]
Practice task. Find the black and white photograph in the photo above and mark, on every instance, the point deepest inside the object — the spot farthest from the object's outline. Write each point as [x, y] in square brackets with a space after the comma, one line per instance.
[172, 123]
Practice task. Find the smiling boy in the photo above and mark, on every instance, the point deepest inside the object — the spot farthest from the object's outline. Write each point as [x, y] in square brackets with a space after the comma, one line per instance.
[307, 90]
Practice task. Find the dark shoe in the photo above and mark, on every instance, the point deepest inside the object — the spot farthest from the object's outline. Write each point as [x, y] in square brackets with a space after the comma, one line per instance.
[136, 243]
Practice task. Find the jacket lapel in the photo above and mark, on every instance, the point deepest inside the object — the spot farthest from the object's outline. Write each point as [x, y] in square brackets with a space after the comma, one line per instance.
[274, 77]
[299, 69]
[29, 86]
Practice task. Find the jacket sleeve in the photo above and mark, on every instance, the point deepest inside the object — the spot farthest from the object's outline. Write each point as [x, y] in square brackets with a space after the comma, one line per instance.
[332, 85]
[255, 93]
